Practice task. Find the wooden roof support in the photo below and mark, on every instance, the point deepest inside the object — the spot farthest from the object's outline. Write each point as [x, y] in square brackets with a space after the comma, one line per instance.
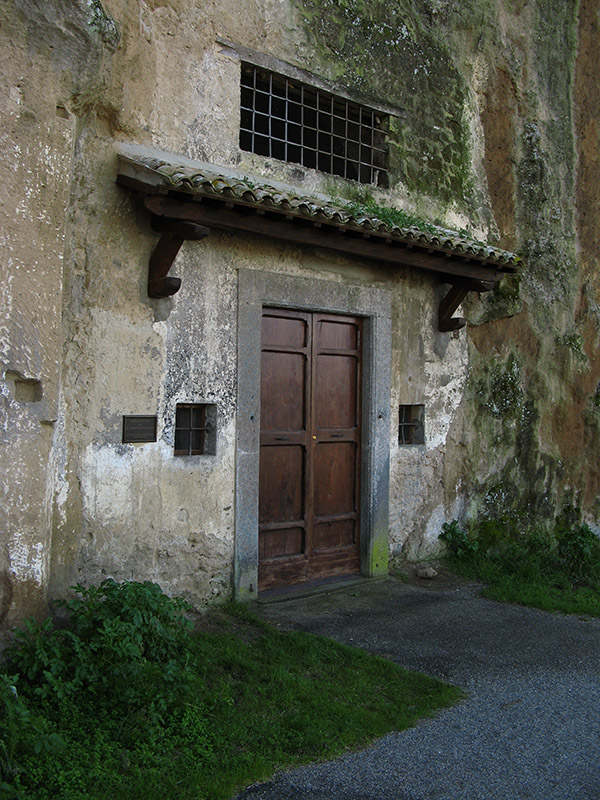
[303, 232]
[446, 322]
[173, 234]
[179, 215]
[458, 291]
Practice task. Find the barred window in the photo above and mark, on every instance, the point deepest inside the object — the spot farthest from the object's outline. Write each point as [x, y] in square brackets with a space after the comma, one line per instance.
[195, 429]
[294, 122]
[411, 425]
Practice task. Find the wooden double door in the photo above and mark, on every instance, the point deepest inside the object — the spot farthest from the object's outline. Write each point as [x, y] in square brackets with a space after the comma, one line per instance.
[309, 447]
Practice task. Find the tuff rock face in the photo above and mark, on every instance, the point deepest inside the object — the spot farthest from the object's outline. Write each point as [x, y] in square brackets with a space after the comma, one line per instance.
[496, 135]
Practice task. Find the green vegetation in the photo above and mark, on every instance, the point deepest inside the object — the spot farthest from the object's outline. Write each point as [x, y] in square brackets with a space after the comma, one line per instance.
[363, 204]
[367, 207]
[500, 389]
[398, 52]
[103, 24]
[554, 567]
[128, 702]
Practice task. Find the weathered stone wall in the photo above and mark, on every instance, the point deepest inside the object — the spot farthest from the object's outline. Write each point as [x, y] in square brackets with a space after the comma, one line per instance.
[500, 125]
[497, 133]
[37, 140]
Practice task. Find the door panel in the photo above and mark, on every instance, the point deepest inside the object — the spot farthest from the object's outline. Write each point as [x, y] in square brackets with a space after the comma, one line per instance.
[334, 478]
[310, 447]
[278, 543]
[338, 533]
[338, 335]
[336, 395]
[281, 484]
[282, 401]
[283, 332]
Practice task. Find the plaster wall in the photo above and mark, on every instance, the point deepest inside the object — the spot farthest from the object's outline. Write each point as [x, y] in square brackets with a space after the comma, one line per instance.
[490, 127]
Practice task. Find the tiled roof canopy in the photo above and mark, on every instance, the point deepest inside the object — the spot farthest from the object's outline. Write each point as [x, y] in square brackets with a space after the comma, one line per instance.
[199, 195]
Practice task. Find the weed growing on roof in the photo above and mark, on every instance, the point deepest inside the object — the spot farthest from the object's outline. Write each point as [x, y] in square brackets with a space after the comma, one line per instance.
[127, 701]
[367, 207]
[555, 567]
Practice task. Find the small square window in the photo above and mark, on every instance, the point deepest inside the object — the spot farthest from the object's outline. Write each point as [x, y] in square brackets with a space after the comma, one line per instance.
[411, 425]
[195, 429]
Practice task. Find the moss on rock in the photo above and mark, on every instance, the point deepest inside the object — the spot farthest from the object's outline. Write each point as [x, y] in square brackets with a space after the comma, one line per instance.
[393, 52]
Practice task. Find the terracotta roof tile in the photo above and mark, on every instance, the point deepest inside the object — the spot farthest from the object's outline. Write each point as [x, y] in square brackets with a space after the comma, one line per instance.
[251, 191]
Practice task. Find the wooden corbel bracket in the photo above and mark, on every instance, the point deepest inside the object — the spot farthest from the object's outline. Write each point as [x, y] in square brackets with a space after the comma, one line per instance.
[452, 300]
[173, 234]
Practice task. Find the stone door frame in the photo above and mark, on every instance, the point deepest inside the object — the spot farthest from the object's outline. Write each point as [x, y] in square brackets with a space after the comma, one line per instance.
[257, 289]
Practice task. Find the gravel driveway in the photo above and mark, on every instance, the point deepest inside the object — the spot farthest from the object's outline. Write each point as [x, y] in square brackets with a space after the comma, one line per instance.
[530, 727]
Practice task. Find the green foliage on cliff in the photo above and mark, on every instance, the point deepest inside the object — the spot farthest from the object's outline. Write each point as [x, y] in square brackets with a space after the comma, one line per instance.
[396, 53]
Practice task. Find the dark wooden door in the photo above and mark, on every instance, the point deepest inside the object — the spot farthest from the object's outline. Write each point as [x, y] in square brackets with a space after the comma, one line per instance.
[309, 447]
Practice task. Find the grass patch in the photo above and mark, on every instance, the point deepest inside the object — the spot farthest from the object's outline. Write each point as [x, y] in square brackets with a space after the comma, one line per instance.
[127, 702]
[555, 568]
[365, 205]
[388, 214]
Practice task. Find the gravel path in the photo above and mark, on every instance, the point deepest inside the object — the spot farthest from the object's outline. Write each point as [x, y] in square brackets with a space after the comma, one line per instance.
[530, 727]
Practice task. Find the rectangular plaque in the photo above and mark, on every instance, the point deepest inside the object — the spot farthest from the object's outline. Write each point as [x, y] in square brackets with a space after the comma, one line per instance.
[138, 428]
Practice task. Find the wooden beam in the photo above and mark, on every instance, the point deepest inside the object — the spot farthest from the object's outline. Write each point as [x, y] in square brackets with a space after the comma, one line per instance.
[473, 286]
[173, 235]
[303, 232]
[446, 322]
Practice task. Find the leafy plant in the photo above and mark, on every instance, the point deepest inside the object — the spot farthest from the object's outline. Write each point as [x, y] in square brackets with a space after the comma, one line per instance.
[458, 540]
[552, 567]
[21, 732]
[579, 551]
[124, 640]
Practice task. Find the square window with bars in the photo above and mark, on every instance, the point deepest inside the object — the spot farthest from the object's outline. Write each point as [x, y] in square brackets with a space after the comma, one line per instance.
[411, 424]
[195, 429]
[298, 123]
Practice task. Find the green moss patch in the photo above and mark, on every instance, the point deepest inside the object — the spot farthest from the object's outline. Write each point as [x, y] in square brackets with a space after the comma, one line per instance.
[391, 52]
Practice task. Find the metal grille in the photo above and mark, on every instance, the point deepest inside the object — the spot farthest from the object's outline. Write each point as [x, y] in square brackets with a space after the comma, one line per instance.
[138, 428]
[303, 125]
[190, 429]
[411, 428]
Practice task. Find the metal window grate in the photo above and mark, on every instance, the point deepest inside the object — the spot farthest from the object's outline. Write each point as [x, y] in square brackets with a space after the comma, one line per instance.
[190, 429]
[300, 124]
[411, 425]
[195, 429]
